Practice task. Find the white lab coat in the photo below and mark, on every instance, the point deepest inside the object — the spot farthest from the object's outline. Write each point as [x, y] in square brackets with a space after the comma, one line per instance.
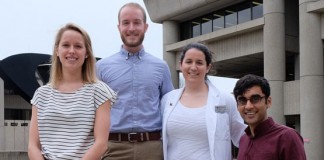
[223, 121]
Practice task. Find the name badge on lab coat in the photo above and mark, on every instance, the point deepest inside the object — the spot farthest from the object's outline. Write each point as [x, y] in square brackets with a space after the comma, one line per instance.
[220, 109]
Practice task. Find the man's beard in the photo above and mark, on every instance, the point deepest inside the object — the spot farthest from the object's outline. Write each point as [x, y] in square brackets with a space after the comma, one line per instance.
[133, 43]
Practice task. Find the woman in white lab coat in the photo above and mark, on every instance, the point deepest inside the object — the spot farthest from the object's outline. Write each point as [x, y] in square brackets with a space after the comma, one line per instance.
[199, 121]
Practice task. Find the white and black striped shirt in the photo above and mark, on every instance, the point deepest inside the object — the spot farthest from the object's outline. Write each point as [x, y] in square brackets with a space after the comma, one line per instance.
[66, 120]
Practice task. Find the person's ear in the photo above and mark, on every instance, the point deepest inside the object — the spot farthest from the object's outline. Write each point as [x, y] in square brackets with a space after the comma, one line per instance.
[118, 26]
[269, 102]
[208, 68]
[145, 27]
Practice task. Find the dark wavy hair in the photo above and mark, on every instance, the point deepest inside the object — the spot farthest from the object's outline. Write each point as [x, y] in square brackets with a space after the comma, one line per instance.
[199, 46]
[248, 81]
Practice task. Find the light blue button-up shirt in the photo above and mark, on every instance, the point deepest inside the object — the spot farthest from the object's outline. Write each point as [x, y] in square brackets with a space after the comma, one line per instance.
[140, 81]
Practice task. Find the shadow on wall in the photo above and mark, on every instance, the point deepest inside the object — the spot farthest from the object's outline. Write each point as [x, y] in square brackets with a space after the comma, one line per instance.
[23, 71]
[14, 155]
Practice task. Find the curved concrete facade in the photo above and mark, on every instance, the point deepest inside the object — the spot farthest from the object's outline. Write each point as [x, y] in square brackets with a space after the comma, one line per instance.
[311, 78]
[285, 46]
[274, 54]
[18, 82]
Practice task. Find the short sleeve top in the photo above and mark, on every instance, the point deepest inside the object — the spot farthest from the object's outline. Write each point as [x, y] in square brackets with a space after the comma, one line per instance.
[66, 120]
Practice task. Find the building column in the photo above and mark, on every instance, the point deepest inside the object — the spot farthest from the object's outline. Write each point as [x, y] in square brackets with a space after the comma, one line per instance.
[274, 55]
[170, 35]
[311, 81]
[2, 129]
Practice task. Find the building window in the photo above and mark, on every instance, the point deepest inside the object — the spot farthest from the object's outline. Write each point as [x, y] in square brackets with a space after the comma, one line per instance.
[196, 27]
[185, 29]
[17, 114]
[230, 17]
[218, 20]
[257, 9]
[206, 24]
[244, 12]
[226, 17]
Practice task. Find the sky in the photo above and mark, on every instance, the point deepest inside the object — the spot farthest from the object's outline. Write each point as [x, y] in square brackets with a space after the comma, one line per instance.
[30, 26]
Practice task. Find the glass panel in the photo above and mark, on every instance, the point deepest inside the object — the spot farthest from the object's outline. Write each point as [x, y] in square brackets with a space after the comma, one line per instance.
[185, 29]
[17, 114]
[227, 17]
[257, 9]
[218, 21]
[231, 17]
[195, 28]
[206, 24]
[244, 12]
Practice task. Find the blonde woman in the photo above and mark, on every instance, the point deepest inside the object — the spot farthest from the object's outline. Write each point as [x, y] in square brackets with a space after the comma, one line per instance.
[69, 114]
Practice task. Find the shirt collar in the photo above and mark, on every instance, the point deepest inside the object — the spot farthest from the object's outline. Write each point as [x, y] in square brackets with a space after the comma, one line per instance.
[128, 55]
[261, 129]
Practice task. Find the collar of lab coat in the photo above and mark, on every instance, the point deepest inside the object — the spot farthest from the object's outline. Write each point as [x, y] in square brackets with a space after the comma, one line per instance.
[213, 100]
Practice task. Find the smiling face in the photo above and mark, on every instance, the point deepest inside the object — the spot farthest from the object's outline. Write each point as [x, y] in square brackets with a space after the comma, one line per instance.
[194, 66]
[132, 27]
[71, 50]
[254, 113]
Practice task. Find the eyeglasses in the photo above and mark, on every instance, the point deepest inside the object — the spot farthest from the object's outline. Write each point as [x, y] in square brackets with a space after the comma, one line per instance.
[254, 99]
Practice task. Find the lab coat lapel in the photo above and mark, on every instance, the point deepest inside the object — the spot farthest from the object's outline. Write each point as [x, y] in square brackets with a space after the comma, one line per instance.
[170, 104]
[211, 117]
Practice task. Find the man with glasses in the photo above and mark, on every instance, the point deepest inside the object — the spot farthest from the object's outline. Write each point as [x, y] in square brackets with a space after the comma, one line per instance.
[264, 139]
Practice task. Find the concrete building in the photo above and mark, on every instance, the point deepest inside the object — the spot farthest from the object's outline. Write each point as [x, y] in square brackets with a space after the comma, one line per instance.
[20, 76]
[280, 40]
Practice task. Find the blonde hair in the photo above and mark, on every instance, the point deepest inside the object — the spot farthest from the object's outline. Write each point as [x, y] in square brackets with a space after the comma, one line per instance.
[88, 67]
[133, 4]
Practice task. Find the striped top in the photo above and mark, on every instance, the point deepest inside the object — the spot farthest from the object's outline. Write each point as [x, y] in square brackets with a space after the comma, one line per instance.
[66, 120]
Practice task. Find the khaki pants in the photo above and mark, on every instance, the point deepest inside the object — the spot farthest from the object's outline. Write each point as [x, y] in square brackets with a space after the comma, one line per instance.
[124, 150]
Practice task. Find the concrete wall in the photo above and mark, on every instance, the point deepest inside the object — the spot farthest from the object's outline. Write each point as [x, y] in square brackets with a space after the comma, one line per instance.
[230, 32]
[291, 98]
[13, 156]
[238, 45]
[311, 77]
[290, 29]
[13, 133]
[16, 134]
[16, 102]
[1, 115]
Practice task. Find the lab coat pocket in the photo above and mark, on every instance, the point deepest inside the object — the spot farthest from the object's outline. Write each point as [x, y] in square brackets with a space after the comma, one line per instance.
[222, 126]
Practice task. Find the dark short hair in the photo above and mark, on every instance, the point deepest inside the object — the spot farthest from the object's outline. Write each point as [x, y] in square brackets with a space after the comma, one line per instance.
[199, 46]
[250, 80]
